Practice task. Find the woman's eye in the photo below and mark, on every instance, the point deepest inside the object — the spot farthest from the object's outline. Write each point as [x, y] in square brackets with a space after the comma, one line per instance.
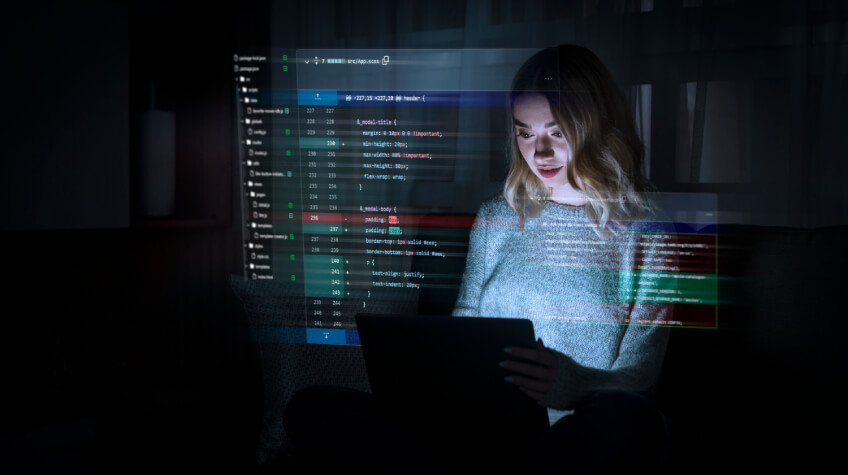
[557, 134]
[524, 134]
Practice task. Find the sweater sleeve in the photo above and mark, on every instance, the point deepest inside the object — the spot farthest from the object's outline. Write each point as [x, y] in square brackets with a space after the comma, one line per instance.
[475, 274]
[636, 368]
[640, 354]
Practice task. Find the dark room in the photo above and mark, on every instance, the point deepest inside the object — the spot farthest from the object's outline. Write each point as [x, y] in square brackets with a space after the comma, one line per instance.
[209, 211]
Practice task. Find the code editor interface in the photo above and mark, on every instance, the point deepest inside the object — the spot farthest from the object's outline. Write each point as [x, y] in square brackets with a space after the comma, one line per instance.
[361, 174]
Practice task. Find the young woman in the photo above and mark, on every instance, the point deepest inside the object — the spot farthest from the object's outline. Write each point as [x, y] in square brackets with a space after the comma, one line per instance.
[562, 246]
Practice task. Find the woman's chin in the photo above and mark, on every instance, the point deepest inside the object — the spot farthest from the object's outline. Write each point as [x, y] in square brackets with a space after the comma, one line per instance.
[555, 183]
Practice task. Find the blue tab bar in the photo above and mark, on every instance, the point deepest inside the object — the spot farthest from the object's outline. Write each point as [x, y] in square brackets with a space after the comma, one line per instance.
[425, 98]
[317, 97]
[325, 335]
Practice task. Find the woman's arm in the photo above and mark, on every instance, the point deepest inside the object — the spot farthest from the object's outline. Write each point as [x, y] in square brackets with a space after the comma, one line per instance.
[557, 381]
[639, 355]
[637, 368]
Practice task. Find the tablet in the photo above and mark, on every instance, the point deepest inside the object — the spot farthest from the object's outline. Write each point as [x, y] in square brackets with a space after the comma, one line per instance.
[442, 371]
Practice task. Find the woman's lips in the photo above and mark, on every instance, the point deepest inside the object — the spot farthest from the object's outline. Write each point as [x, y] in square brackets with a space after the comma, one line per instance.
[548, 172]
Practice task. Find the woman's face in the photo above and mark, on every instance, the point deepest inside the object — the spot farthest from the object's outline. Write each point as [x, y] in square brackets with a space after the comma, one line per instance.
[543, 146]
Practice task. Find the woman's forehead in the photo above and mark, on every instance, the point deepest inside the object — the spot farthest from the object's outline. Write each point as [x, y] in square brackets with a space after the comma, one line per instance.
[532, 109]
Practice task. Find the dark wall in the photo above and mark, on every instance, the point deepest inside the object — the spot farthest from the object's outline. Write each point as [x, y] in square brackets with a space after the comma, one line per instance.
[65, 131]
[112, 318]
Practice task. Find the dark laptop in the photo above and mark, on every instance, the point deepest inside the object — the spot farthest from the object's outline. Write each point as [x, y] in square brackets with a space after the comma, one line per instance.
[442, 373]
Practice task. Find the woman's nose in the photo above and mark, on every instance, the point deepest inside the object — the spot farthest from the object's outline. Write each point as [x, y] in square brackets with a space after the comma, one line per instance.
[543, 148]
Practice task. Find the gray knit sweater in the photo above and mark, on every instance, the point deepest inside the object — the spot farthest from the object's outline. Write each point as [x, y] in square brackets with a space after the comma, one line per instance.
[557, 272]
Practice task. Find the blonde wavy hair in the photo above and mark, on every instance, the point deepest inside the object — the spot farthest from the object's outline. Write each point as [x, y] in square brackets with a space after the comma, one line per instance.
[593, 115]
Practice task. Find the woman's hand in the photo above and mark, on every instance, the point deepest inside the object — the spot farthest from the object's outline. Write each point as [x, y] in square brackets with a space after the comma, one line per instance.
[536, 374]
